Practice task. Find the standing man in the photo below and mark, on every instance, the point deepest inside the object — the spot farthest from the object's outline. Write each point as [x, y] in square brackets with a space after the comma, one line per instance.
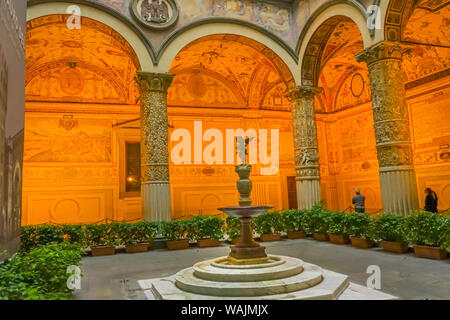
[359, 202]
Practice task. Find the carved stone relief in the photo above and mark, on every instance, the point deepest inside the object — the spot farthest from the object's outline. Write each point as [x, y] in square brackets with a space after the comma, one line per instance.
[154, 126]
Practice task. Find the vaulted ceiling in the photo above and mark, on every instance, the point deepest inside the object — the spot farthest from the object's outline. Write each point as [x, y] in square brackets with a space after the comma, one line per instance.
[91, 64]
[343, 79]
[229, 71]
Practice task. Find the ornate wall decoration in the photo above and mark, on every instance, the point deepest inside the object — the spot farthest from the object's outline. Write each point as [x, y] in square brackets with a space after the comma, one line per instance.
[233, 71]
[357, 85]
[155, 14]
[203, 88]
[47, 141]
[94, 64]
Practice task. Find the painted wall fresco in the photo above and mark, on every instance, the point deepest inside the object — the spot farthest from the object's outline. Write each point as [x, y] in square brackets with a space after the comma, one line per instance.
[93, 64]
[430, 47]
[12, 73]
[283, 19]
[67, 141]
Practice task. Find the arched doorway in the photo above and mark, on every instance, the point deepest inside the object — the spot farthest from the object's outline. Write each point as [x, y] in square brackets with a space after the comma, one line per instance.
[345, 134]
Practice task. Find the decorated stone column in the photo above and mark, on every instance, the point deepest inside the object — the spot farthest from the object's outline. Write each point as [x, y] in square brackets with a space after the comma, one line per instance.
[155, 183]
[392, 128]
[305, 145]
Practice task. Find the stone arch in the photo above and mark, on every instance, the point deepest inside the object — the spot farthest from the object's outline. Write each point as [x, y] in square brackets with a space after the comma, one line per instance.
[249, 70]
[183, 37]
[318, 29]
[103, 14]
[396, 17]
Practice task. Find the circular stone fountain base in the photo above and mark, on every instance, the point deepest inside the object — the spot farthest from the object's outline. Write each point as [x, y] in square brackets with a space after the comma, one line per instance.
[278, 277]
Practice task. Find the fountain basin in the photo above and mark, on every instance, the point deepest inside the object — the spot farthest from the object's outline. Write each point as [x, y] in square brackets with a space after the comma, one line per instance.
[246, 211]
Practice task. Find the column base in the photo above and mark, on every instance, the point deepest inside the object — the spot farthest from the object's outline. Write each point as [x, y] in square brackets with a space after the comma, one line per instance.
[399, 191]
[308, 193]
[156, 204]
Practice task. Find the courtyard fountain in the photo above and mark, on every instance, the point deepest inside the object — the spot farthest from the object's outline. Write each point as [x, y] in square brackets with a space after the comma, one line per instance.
[248, 272]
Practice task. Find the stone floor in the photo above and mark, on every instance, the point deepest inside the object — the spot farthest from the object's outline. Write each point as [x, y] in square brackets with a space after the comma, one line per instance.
[404, 276]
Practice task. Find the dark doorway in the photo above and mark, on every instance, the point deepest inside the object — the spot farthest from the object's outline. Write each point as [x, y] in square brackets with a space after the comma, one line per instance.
[292, 192]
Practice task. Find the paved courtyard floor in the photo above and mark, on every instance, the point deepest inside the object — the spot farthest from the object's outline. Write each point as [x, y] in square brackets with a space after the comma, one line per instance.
[405, 276]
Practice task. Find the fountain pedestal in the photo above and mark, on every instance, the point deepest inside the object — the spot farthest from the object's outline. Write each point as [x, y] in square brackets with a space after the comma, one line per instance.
[248, 273]
[247, 248]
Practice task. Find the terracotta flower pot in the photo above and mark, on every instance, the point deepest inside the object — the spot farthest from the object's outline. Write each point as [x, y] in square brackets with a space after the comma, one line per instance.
[206, 243]
[361, 243]
[396, 247]
[296, 235]
[135, 248]
[270, 237]
[339, 238]
[178, 244]
[103, 251]
[430, 252]
[321, 236]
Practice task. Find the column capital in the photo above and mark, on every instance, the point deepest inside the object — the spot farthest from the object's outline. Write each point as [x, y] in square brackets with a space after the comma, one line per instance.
[381, 51]
[149, 81]
[302, 91]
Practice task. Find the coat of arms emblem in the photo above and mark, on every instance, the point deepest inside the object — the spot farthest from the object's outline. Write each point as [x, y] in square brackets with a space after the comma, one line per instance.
[156, 14]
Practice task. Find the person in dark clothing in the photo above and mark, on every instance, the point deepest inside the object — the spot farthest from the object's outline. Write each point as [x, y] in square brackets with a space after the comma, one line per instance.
[431, 201]
[359, 202]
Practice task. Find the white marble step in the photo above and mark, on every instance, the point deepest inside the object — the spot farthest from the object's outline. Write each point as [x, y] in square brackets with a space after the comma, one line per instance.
[185, 280]
[330, 288]
[211, 271]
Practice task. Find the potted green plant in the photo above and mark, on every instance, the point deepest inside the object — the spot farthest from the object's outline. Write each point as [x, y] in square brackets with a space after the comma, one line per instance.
[138, 237]
[206, 230]
[268, 226]
[292, 223]
[390, 229]
[101, 238]
[233, 229]
[317, 221]
[428, 232]
[362, 229]
[73, 233]
[339, 228]
[33, 236]
[175, 233]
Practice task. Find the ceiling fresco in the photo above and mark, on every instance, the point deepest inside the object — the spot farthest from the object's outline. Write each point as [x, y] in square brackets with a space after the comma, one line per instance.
[93, 64]
[229, 71]
[284, 18]
[344, 81]
[428, 31]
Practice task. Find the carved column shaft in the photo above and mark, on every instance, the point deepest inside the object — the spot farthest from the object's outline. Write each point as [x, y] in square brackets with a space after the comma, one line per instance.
[392, 128]
[305, 146]
[155, 181]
